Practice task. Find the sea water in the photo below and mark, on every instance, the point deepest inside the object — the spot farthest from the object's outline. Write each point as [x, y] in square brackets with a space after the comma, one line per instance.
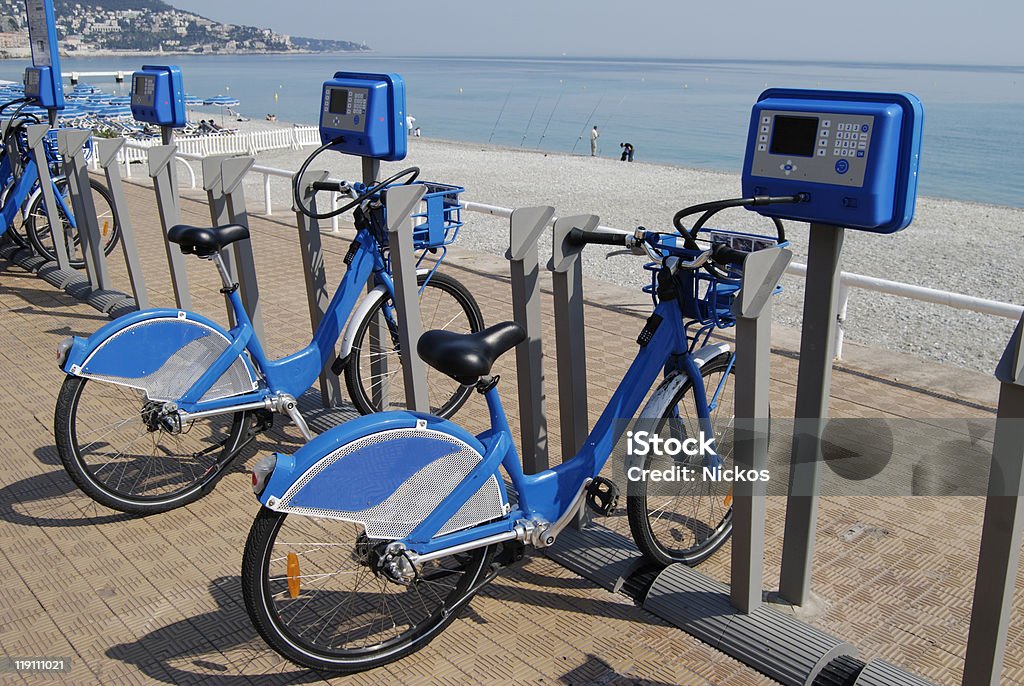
[690, 113]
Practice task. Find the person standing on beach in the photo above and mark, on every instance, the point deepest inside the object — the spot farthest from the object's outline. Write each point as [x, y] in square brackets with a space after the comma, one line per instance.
[594, 135]
[627, 152]
[409, 121]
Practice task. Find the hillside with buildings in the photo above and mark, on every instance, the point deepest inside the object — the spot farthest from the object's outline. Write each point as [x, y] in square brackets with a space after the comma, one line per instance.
[152, 26]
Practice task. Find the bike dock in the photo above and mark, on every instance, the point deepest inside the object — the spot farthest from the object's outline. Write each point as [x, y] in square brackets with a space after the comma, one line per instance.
[158, 600]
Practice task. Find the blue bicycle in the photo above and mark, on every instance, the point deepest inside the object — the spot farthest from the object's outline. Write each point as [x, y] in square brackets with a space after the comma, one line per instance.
[374, 535]
[21, 197]
[158, 404]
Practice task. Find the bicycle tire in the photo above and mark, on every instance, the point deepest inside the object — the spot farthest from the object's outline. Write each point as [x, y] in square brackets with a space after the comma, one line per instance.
[202, 477]
[703, 499]
[40, 235]
[286, 626]
[448, 393]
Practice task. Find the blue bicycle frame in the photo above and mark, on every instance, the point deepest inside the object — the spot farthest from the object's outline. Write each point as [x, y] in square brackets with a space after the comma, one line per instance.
[158, 334]
[314, 481]
[27, 183]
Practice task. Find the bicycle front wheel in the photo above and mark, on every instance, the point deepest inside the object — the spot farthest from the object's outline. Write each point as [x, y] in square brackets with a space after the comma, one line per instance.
[373, 372]
[314, 592]
[39, 228]
[115, 448]
[685, 521]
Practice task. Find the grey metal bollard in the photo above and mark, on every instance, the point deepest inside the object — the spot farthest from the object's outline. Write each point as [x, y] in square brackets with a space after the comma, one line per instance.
[753, 309]
[317, 297]
[1004, 523]
[70, 143]
[213, 184]
[570, 337]
[106, 153]
[36, 136]
[814, 381]
[161, 170]
[233, 171]
[526, 226]
[401, 201]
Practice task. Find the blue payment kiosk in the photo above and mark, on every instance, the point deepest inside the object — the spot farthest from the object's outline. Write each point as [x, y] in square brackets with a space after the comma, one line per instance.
[852, 156]
[43, 80]
[158, 96]
[847, 160]
[364, 115]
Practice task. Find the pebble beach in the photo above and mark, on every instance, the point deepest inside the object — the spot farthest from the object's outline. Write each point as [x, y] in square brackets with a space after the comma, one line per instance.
[956, 246]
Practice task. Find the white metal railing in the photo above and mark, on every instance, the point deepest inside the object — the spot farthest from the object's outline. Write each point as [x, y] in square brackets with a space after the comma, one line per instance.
[847, 280]
[198, 147]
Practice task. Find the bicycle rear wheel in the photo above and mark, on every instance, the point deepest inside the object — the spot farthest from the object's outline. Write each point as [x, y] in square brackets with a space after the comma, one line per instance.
[374, 379]
[17, 228]
[684, 521]
[120, 457]
[311, 591]
[39, 228]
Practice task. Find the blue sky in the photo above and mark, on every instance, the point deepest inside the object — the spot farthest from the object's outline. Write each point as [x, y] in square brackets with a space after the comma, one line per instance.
[918, 31]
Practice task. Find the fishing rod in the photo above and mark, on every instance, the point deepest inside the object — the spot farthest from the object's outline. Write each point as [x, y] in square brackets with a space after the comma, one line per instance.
[545, 132]
[529, 122]
[500, 112]
[585, 125]
[614, 112]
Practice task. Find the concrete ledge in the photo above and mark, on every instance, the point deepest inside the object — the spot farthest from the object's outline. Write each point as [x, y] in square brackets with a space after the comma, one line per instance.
[881, 673]
[597, 554]
[778, 646]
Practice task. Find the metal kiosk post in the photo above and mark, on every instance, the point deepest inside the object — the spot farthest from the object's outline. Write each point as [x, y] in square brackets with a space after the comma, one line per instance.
[158, 97]
[36, 136]
[570, 339]
[71, 144]
[233, 171]
[106, 152]
[836, 160]
[317, 297]
[1004, 524]
[364, 115]
[753, 309]
[525, 227]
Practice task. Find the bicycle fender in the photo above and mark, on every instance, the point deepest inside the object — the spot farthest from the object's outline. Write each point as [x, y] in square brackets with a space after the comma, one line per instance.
[667, 390]
[386, 471]
[362, 309]
[28, 202]
[162, 352]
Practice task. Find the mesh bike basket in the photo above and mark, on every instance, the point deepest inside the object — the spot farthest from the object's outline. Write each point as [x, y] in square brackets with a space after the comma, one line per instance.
[391, 481]
[166, 374]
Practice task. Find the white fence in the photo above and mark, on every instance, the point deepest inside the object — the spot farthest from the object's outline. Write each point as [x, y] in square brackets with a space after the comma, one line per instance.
[198, 147]
[847, 280]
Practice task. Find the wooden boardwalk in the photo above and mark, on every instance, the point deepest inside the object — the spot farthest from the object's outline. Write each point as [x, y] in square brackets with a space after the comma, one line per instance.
[158, 599]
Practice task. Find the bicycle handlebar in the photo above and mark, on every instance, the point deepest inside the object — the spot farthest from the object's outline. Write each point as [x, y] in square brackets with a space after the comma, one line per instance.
[723, 254]
[337, 186]
[578, 237]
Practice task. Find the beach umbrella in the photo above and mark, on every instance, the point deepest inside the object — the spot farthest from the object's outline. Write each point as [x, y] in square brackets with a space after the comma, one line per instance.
[224, 102]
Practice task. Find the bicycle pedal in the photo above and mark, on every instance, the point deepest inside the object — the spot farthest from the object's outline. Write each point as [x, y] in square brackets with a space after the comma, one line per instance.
[339, 364]
[603, 496]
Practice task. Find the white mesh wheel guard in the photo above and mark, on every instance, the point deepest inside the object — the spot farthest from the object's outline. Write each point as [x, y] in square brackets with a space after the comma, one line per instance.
[182, 369]
[401, 512]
